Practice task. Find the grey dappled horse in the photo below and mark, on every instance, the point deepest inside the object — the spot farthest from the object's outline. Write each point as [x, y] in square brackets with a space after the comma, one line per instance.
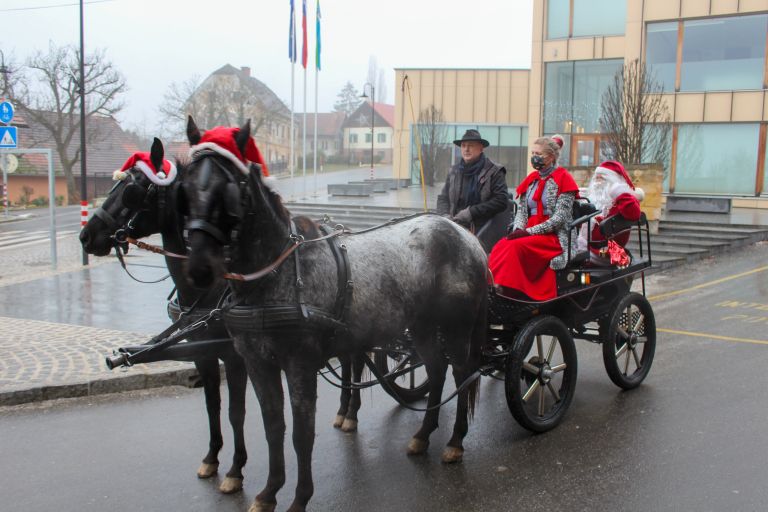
[424, 274]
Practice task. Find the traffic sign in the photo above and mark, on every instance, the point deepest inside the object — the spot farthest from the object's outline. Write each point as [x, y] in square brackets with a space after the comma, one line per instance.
[6, 112]
[9, 163]
[8, 137]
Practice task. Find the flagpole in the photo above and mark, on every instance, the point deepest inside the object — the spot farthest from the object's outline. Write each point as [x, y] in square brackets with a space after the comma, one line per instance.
[304, 136]
[315, 155]
[292, 162]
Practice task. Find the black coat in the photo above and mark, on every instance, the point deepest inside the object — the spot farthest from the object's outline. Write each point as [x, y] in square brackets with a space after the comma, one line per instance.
[493, 193]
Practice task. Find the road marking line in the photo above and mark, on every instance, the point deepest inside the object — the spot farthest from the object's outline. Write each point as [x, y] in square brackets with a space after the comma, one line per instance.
[713, 336]
[710, 283]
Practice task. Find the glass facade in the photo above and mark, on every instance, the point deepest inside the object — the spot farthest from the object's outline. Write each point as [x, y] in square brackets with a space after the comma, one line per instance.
[558, 18]
[508, 147]
[717, 159]
[573, 94]
[723, 53]
[661, 53]
[590, 18]
[599, 17]
[718, 54]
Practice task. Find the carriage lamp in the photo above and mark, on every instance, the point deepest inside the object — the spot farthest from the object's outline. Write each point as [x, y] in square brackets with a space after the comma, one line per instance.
[585, 278]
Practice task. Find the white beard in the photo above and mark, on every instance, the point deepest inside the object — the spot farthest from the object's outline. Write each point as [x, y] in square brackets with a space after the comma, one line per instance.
[597, 193]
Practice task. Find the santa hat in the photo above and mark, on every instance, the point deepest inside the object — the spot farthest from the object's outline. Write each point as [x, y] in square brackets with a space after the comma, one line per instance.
[142, 162]
[222, 140]
[611, 170]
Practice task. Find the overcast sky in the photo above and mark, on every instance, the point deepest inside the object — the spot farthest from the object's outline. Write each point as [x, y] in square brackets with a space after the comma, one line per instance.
[156, 42]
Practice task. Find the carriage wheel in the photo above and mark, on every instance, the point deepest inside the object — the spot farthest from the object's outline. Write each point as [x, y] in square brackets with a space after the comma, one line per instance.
[541, 374]
[410, 386]
[630, 341]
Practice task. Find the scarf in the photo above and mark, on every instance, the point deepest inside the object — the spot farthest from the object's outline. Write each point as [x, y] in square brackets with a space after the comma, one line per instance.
[470, 190]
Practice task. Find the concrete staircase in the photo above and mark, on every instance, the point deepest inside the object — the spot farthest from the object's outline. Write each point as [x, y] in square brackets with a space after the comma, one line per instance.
[677, 242]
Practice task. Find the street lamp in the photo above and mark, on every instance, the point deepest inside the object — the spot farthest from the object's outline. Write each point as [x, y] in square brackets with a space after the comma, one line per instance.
[373, 115]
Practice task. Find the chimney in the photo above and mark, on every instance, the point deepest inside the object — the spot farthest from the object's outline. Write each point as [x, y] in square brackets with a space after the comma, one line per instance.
[246, 70]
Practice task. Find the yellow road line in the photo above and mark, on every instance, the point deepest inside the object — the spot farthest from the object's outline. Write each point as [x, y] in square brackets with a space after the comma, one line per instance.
[710, 283]
[713, 336]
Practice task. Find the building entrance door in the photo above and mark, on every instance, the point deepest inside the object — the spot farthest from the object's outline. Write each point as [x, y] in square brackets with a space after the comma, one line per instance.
[585, 150]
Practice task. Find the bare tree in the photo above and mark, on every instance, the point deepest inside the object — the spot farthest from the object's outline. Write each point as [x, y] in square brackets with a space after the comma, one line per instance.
[634, 118]
[220, 100]
[432, 134]
[47, 92]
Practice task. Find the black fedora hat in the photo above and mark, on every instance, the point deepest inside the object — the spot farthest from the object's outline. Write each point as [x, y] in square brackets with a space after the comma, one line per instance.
[472, 135]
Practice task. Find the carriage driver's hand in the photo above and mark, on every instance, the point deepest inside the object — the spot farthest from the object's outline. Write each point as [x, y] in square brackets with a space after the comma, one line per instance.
[463, 217]
[518, 233]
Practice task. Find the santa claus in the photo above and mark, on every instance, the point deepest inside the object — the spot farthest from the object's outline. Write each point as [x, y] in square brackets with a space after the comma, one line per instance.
[612, 192]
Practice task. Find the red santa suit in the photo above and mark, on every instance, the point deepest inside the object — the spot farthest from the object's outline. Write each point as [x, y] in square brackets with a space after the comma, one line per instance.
[612, 190]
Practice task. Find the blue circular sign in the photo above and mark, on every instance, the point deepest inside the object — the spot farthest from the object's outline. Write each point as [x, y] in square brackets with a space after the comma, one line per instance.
[6, 112]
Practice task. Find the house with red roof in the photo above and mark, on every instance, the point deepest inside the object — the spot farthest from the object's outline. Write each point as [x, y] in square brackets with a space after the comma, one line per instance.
[107, 148]
[370, 127]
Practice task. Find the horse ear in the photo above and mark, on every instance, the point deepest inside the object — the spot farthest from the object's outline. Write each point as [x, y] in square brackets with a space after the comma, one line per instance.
[241, 139]
[156, 154]
[193, 133]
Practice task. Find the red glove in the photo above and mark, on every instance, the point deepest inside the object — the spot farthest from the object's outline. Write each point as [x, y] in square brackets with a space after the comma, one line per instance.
[518, 233]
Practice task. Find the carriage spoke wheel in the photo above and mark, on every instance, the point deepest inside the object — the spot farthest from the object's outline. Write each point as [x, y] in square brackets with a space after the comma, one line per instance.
[541, 374]
[629, 342]
[410, 386]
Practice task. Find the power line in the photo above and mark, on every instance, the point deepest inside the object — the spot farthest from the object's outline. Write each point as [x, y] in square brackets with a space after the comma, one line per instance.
[53, 6]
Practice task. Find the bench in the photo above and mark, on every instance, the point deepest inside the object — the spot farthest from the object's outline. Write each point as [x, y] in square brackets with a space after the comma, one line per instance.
[392, 183]
[698, 204]
[376, 186]
[350, 189]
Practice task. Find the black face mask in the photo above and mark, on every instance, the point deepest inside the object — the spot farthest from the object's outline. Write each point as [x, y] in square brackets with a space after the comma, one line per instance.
[537, 162]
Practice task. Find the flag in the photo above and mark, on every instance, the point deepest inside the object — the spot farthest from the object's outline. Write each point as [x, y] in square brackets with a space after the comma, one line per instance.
[292, 37]
[317, 31]
[304, 31]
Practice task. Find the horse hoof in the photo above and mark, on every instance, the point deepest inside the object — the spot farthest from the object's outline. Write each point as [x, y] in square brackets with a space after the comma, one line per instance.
[339, 421]
[451, 454]
[260, 506]
[417, 446]
[207, 470]
[349, 425]
[231, 485]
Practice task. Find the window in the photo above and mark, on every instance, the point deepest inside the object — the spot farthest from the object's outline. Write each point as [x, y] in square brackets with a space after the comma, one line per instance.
[718, 54]
[661, 53]
[716, 158]
[723, 54]
[368, 138]
[573, 94]
[381, 137]
[588, 18]
[353, 138]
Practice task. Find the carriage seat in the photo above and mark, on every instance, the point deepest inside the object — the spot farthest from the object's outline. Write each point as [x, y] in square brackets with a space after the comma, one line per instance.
[583, 210]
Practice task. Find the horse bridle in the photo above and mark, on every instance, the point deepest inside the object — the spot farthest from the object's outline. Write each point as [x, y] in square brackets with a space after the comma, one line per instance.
[243, 197]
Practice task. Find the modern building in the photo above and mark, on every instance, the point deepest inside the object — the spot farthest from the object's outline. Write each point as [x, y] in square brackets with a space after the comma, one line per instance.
[709, 56]
[368, 128]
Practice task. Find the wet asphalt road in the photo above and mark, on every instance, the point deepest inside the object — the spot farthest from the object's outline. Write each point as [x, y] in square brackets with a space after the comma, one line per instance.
[692, 437]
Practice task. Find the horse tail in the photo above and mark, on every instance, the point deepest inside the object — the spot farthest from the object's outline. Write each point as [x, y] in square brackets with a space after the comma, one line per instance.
[479, 334]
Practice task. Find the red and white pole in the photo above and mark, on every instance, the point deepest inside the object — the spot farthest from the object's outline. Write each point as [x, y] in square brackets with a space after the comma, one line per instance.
[83, 213]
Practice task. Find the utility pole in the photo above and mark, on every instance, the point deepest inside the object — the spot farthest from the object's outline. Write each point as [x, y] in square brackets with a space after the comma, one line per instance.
[81, 84]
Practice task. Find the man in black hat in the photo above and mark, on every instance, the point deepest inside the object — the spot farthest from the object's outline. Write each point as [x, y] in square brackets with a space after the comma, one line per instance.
[476, 188]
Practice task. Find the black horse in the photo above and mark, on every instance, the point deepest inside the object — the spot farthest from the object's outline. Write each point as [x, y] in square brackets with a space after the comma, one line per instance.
[142, 208]
[424, 274]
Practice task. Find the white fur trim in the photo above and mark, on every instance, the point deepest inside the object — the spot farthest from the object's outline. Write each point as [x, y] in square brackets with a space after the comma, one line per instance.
[270, 182]
[119, 175]
[220, 150]
[619, 188]
[154, 178]
[639, 194]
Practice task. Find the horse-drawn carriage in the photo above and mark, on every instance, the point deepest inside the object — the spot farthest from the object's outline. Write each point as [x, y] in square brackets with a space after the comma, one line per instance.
[440, 306]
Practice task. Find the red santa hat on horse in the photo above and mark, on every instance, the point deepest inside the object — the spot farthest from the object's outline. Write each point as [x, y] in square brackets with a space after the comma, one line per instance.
[227, 142]
[159, 171]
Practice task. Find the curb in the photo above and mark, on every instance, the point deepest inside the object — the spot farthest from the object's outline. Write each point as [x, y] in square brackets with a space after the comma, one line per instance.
[187, 377]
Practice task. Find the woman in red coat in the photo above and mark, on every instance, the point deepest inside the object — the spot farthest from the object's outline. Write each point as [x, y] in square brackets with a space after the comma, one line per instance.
[538, 240]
